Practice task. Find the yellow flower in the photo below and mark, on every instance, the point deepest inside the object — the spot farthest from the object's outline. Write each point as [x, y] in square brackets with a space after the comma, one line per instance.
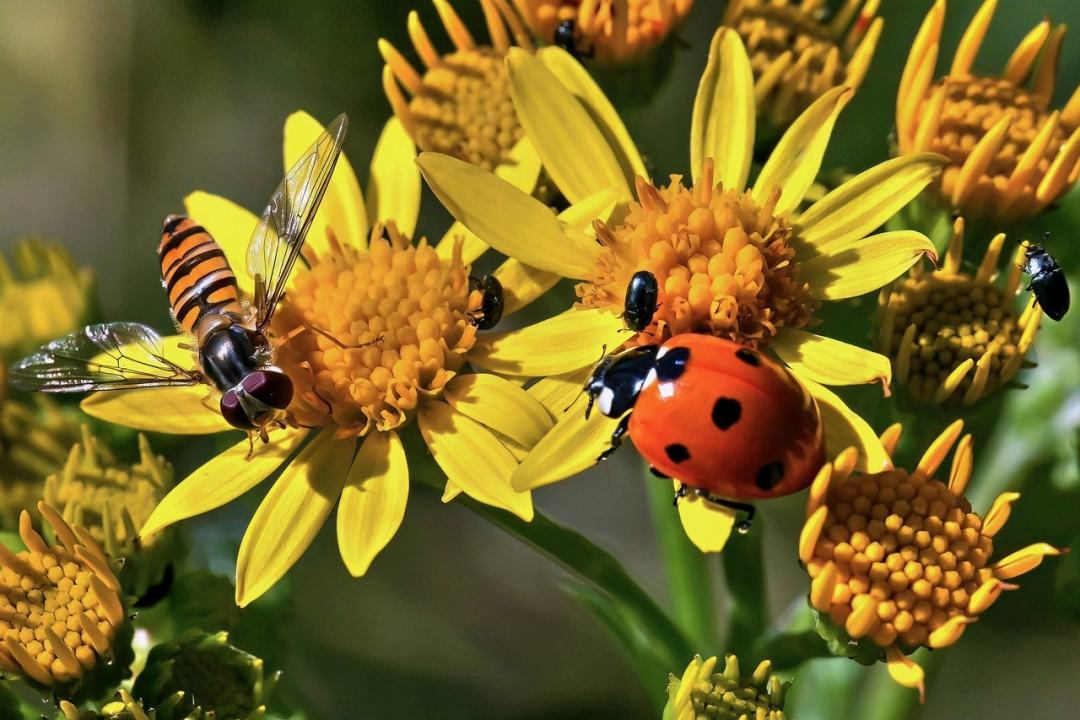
[123, 707]
[460, 104]
[611, 32]
[956, 337]
[701, 693]
[797, 54]
[60, 607]
[899, 560]
[1009, 155]
[43, 295]
[375, 335]
[731, 259]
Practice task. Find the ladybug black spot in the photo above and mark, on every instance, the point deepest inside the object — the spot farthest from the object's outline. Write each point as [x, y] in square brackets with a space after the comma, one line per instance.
[677, 452]
[726, 412]
[769, 476]
[748, 356]
[673, 364]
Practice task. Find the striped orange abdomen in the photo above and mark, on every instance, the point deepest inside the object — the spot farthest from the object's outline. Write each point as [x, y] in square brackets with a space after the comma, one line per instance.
[195, 272]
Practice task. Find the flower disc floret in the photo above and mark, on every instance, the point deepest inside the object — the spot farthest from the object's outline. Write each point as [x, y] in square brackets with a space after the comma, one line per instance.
[726, 694]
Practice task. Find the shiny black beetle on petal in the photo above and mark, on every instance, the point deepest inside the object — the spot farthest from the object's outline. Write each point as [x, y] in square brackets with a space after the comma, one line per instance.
[1047, 281]
[491, 307]
[640, 305]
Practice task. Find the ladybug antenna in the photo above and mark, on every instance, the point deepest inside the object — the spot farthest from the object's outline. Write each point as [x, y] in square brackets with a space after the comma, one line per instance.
[588, 408]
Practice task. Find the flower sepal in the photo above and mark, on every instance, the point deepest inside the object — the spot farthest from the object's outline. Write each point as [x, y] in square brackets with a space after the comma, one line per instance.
[840, 644]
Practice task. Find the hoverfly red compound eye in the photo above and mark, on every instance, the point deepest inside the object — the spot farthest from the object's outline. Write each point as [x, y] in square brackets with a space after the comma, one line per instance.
[270, 387]
[234, 413]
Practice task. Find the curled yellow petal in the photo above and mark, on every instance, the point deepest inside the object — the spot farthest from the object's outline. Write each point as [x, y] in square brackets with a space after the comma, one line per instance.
[905, 671]
[845, 270]
[373, 500]
[222, 479]
[1024, 560]
[501, 405]
[866, 201]
[844, 429]
[555, 121]
[823, 587]
[507, 219]
[291, 515]
[794, 164]
[542, 349]
[577, 80]
[342, 208]
[393, 193]
[473, 458]
[999, 513]
[230, 225]
[707, 524]
[831, 362]
[723, 121]
[811, 533]
[571, 446]
[949, 631]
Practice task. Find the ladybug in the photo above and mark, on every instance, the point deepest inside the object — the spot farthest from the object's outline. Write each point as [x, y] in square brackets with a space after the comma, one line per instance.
[721, 418]
[1047, 281]
[564, 38]
[491, 305]
[640, 302]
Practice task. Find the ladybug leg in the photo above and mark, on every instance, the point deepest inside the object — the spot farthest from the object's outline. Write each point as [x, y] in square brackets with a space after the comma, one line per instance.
[659, 474]
[617, 436]
[680, 493]
[744, 525]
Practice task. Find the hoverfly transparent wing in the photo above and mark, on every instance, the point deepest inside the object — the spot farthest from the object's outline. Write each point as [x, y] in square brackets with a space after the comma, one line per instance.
[279, 237]
[112, 356]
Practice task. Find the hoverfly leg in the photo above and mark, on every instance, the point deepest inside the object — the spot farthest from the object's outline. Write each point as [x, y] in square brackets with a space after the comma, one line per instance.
[343, 346]
[251, 445]
[264, 435]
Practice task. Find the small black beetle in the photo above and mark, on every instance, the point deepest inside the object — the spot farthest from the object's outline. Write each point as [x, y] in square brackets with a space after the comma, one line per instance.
[1047, 281]
[640, 303]
[564, 38]
[491, 307]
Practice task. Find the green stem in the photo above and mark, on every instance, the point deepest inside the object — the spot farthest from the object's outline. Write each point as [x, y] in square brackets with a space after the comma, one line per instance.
[745, 575]
[686, 568]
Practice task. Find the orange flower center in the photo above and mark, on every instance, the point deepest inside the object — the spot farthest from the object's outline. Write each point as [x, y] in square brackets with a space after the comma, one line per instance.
[364, 334]
[724, 264]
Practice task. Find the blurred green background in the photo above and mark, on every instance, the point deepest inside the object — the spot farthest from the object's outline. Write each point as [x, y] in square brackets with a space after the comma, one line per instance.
[113, 111]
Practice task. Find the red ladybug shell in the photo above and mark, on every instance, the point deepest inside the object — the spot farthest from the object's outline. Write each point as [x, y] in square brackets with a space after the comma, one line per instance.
[734, 422]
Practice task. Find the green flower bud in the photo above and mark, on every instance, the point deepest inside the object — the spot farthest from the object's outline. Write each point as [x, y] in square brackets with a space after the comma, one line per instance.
[727, 695]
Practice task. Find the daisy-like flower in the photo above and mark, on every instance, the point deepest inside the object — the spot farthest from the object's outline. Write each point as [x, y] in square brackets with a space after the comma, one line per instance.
[731, 259]
[460, 103]
[43, 294]
[60, 607]
[375, 333]
[702, 692]
[898, 560]
[1009, 155]
[798, 54]
[956, 337]
[611, 32]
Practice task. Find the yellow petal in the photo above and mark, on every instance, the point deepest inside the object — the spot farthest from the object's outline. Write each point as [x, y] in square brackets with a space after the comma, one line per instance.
[572, 445]
[473, 458]
[1023, 561]
[795, 162]
[173, 410]
[342, 208]
[570, 143]
[865, 202]
[507, 219]
[291, 514]
[999, 513]
[501, 405]
[170, 410]
[707, 524]
[230, 225]
[905, 671]
[722, 126]
[223, 478]
[373, 500]
[544, 348]
[558, 392]
[522, 284]
[830, 362]
[472, 247]
[844, 429]
[862, 266]
[811, 533]
[394, 183]
[522, 166]
[577, 80]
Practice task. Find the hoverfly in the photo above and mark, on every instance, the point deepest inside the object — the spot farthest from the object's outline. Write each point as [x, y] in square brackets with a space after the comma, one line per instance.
[227, 331]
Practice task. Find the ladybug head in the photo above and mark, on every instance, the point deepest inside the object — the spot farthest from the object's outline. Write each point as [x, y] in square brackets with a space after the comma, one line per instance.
[617, 379]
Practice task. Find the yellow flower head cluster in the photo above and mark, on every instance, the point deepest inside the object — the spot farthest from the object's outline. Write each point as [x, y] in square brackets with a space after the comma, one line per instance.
[703, 692]
[60, 606]
[1010, 156]
[798, 54]
[956, 337]
[899, 559]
